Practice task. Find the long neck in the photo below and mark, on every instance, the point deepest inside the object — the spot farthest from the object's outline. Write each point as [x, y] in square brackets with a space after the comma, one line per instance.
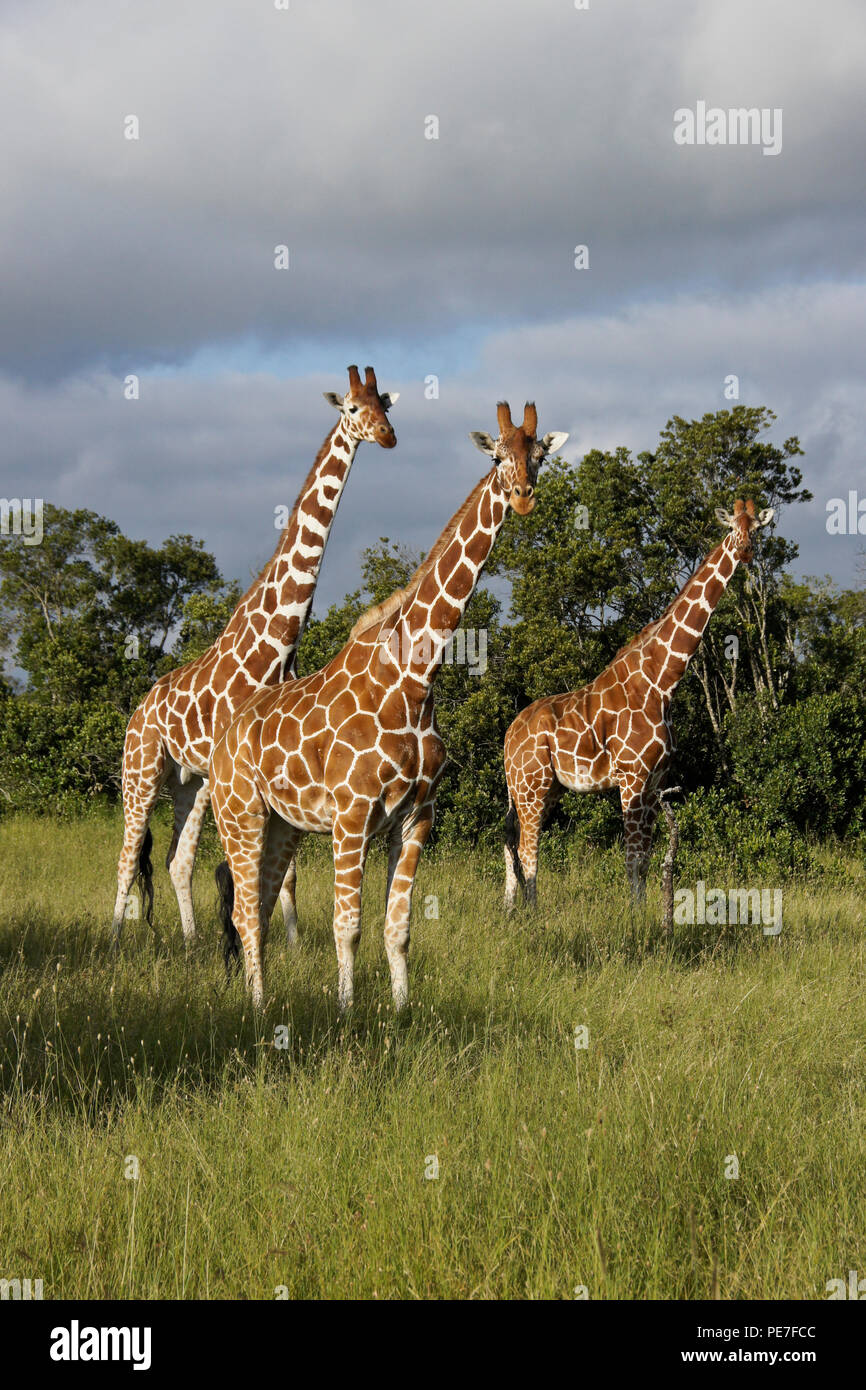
[275, 609]
[432, 611]
[681, 628]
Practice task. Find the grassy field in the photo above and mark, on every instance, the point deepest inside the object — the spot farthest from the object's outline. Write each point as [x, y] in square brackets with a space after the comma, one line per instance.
[305, 1169]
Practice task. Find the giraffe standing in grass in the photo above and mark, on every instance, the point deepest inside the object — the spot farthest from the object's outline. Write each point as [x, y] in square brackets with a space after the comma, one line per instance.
[616, 731]
[170, 737]
[353, 750]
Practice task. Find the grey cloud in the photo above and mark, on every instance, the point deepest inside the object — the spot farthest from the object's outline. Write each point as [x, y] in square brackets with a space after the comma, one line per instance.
[215, 456]
[306, 127]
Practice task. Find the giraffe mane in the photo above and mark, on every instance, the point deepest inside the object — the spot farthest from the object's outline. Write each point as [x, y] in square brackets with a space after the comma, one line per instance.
[652, 628]
[270, 563]
[379, 612]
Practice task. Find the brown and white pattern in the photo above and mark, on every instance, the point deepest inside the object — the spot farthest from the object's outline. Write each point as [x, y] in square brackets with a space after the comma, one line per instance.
[616, 731]
[353, 750]
[170, 737]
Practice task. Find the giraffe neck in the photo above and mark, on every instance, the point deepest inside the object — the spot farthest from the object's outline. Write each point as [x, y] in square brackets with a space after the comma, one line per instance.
[430, 614]
[267, 624]
[680, 630]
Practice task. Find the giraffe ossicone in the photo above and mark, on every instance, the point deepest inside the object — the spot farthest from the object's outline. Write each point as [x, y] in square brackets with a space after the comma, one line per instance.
[616, 731]
[353, 749]
[170, 737]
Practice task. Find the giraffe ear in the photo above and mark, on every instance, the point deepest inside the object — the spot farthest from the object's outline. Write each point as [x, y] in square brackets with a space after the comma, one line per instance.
[389, 398]
[554, 442]
[766, 516]
[482, 441]
[724, 517]
[334, 399]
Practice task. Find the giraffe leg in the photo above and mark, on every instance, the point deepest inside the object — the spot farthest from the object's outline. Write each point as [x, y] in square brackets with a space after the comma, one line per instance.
[245, 862]
[395, 845]
[143, 776]
[351, 843]
[639, 809]
[533, 796]
[278, 870]
[405, 852]
[242, 821]
[287, 903]
[668, 867]
[533, 809]
[512, 863]
[190, 804]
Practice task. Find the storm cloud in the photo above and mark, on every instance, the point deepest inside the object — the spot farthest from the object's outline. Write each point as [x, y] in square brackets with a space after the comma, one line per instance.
[452, 256]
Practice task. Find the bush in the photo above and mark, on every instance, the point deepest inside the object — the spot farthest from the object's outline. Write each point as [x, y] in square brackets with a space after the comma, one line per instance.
[803, 766]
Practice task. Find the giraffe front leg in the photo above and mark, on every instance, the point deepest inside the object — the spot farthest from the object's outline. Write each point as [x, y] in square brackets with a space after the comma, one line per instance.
[531, 803]
[639, 809]
[668, 866]
[350, 855]
[413, 835]
[287, 903]
[190, 804]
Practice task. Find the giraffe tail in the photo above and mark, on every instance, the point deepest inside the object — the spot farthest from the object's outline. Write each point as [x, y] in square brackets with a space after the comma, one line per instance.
[144, 876]
[512, 840]
[226, 888]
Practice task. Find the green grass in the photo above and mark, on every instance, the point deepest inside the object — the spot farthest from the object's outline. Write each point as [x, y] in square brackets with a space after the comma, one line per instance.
[304, 1167]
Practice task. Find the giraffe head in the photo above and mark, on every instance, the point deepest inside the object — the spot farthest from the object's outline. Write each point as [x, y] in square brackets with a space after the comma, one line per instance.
[743, 522]
[518, 454]
[364, 409]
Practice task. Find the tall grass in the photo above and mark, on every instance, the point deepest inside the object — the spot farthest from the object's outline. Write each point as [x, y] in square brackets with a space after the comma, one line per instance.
[310, 1169]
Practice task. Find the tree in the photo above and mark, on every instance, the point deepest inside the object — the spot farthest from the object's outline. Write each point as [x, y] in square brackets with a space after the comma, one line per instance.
[88, 617]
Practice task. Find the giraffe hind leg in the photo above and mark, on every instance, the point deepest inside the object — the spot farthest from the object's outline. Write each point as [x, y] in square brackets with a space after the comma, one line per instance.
[278, 876]
[513, 867]
[238, 880]
[231, 944]
[536, 806]
[141, 788]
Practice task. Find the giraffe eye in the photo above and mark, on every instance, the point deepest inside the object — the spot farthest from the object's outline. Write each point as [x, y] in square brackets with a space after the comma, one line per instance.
[353, 410]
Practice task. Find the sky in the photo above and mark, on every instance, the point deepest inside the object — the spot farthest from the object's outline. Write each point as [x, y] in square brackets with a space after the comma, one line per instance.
[307, 126]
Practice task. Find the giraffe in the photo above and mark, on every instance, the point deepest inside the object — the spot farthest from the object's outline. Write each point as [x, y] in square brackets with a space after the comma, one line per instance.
[616, 731]
[171, 735]
[354, 749]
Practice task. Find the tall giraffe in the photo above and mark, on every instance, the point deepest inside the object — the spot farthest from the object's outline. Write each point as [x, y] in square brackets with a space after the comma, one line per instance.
[354, 749]
[616, 731]
[170, 737]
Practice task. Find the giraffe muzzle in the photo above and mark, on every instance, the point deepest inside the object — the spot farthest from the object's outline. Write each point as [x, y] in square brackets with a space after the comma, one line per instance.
[387, 437]
[522, 500]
